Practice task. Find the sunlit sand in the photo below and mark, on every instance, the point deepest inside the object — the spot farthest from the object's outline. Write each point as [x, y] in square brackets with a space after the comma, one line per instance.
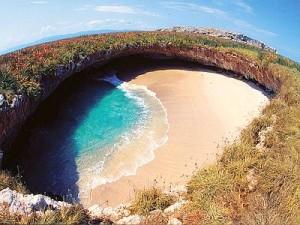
[205, 110]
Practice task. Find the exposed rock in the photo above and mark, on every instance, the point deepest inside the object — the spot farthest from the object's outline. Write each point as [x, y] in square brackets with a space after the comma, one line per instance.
[155, 217]
[177, 190]
[2, 99]
[174, 221]
[18, 203]
[252, 179]
[16, 101]
[237, 37]
[95, 211]
[12, 119]
[123, 209]
[262, 137]
[1, 157]
[114, 214]
[156, 211]
[130, 220]
[176, 206]
[109, 212]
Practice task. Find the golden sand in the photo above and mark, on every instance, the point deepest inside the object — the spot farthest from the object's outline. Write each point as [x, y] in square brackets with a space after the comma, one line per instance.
[205, 109]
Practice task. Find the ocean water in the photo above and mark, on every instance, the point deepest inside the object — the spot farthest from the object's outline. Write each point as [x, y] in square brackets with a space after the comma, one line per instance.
[98, 132]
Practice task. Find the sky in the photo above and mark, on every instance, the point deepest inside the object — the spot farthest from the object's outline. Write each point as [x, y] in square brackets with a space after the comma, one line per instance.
[275, 22]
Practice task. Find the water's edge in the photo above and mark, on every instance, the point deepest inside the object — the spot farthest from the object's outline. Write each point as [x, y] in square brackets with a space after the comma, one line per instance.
[137, 151]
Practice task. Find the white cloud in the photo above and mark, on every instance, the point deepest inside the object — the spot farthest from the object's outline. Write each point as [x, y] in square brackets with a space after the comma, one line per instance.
[105, 22]
[116, 24]
[39, 2]
[244, 24]
[83, 8]
[47, 29]
[115, 9]
[183, 6]
[123, 9]
[240, 5]
[243, 5]
[221, 14]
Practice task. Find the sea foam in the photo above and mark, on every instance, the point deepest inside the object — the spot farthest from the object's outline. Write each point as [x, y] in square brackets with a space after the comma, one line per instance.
[134, 148]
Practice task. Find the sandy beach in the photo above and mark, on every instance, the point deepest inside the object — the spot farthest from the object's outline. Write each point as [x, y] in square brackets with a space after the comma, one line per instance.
[205, 109]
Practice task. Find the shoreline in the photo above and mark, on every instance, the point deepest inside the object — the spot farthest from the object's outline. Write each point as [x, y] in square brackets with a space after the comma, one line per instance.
[192, 100]
[138, 144]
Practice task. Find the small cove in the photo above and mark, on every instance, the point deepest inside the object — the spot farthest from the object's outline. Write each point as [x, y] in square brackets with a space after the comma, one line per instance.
[83, 136]
[94, 139]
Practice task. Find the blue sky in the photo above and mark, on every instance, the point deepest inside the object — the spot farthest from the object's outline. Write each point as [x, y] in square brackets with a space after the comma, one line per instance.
[276, 22]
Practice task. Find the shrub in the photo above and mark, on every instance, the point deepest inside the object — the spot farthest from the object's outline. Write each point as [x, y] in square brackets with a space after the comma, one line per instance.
[219, 194]
[150, 199]
[14, 183]
[7, 81]
[69, 215]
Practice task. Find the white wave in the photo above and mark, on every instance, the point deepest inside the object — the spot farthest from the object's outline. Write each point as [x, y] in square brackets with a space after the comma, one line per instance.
[113, 79]
[140, 94]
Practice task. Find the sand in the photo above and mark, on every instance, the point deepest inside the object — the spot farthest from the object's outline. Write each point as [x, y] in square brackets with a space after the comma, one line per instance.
[205, 110]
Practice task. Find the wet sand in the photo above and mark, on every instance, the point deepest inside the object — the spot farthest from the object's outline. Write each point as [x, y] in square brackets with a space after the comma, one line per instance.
[205, 110]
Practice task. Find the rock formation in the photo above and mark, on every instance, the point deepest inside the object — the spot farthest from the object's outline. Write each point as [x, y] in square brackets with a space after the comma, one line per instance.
[14, 115]
[237, 37]
[15, 111]
[21, 204]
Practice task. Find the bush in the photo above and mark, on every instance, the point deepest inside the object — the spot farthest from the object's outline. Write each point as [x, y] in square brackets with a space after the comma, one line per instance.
[150, 199]
[7, 81]
[14, 183]
[219, 194]
[71, 215]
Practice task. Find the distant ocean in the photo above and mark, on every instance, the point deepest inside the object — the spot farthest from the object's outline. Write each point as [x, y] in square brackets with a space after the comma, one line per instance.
[102, 130]
[55, 38]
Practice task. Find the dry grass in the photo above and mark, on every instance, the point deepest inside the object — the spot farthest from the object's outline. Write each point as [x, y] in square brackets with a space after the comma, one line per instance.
[14, 183]
[155, 219]
[222, 192]
[73, 215]
[150, 199]
[219, 194]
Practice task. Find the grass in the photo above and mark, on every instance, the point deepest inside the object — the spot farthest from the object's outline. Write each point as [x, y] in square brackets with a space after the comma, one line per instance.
[23, 70]
[275, 199]
[155, 219]
[75, 214]
[221, 193]
[9, 181]
[72, 215]
[150, 199]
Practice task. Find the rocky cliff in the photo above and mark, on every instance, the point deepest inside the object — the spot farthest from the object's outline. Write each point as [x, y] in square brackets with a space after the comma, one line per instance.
[262, 163]
[27, 203]
[14, 115]
[237, 37]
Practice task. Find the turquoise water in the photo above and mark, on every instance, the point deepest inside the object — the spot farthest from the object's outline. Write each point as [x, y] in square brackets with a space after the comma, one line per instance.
[88, 133]
[110, 118]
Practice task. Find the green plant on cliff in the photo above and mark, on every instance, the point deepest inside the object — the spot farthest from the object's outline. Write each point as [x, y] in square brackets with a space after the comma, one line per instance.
[27, 67]
[7, 82]
[72, 215]
[271, 194]
[150, 199]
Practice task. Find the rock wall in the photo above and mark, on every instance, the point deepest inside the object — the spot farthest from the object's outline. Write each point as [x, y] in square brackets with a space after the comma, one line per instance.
[21, 204]
[14, 116]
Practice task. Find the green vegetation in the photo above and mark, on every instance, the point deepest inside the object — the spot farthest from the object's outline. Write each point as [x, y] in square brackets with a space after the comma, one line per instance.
[150, 199]
[257, 179]
[227, 193]
[23, 70]
[72, 215]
